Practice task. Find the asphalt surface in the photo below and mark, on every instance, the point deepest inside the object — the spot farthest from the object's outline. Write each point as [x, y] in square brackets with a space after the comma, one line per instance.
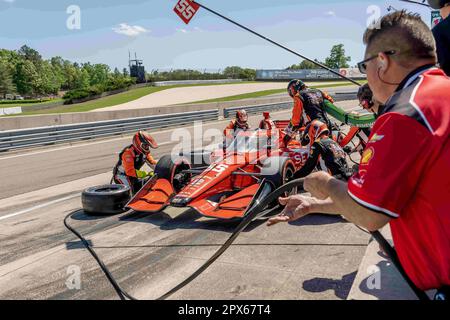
[315, 258]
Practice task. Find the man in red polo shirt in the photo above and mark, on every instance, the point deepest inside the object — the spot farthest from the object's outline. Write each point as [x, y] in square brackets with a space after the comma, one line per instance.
[404, 174]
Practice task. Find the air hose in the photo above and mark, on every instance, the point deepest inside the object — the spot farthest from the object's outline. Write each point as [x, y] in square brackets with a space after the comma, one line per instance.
[253, 213]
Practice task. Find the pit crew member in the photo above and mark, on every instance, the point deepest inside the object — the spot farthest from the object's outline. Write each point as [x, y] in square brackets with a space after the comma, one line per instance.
[239, 123]
[407, 158]
[131, 160]
[324, 151]
[306, 100]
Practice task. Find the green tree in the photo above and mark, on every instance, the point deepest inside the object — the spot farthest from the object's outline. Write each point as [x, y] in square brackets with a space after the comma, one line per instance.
[70, 72]
[26, 78]
[305, 64]
[82, 80]
[337, 58]
[31, 55]
[236, 72]
[6, 83]
[49, 83]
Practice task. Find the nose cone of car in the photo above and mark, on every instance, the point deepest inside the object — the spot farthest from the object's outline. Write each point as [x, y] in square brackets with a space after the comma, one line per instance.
[180, 202]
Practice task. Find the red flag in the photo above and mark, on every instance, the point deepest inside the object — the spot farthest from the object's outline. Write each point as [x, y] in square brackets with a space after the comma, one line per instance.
[186, 9]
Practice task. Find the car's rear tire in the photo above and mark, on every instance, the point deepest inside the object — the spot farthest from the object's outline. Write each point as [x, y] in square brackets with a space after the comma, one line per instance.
[168, 168]
[105, 200]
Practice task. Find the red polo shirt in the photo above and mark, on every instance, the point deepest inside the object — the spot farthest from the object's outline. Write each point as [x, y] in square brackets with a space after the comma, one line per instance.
[405, 174]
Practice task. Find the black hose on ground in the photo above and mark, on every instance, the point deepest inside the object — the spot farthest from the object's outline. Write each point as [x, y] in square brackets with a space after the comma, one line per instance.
[249, 218]
[123, 295]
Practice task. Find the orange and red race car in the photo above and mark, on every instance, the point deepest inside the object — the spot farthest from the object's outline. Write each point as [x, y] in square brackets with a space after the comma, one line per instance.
[238, 176]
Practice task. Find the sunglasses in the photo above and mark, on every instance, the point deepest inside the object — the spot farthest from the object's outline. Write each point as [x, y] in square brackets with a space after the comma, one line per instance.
[362, 66]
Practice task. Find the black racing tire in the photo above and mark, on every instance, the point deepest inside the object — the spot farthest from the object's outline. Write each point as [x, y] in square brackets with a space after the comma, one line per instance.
[284, 174]
[167, 168]
[285, 171]
[105, 200]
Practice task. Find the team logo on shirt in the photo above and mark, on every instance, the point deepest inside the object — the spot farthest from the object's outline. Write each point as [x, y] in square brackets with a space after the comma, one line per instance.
[367, 156]
[376, 138]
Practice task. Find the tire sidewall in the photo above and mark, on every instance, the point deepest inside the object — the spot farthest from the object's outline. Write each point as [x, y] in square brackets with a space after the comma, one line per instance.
[103, 203]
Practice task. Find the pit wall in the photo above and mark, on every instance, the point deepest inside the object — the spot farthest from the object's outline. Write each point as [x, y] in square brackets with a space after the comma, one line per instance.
[23, 122]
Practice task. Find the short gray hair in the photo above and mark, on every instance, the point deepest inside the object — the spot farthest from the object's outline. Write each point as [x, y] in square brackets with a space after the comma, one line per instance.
[403, 32]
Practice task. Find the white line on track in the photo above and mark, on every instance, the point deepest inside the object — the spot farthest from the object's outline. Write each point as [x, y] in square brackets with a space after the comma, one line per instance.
[69, 147]
[43, 205]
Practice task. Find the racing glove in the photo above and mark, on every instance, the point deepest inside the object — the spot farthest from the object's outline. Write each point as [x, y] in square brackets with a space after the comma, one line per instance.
[142, 174]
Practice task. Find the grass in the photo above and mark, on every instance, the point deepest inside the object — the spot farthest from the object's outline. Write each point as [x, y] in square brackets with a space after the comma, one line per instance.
[26, 105]
[264, 93]
[113, 100]
[135, 94]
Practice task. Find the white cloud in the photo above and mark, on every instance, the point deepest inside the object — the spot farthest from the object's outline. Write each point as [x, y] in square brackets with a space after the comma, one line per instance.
[182, 30]
[130, 31]
[330, 13]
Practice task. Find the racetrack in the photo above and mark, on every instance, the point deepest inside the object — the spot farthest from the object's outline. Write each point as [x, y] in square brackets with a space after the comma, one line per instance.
[315, 258]
[199, 93]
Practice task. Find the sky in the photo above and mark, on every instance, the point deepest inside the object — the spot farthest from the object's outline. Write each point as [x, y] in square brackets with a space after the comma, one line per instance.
[109, 29]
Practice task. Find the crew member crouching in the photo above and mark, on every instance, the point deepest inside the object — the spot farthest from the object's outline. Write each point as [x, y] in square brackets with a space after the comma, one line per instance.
[128, 169]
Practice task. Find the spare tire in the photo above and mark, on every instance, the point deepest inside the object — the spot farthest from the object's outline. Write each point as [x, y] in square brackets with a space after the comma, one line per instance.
[105, 200]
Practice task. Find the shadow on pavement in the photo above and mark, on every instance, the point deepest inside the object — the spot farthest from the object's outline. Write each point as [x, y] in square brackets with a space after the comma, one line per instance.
[318, 220]
[189, 219]
[341, 287]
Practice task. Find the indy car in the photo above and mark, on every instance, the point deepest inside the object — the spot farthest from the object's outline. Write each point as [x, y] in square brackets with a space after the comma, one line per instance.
[238, 176]
[226, 183]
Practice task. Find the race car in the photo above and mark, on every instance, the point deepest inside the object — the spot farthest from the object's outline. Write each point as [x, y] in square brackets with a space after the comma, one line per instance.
[238, 176]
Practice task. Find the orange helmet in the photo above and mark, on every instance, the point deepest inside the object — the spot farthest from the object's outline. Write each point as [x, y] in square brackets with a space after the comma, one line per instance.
[142, 142]
[242, 119]
[313, 131]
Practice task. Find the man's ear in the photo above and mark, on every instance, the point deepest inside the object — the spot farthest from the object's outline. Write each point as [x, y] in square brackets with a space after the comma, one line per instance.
[383, 61]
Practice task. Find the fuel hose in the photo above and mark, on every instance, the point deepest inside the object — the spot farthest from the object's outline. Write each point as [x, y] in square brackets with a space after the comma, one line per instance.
[253, 214]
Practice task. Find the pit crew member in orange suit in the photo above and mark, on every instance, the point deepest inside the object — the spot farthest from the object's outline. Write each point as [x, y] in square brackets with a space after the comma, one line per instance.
[306, 100]
[267, 123]
[240, 122]
[128, 169]
[324, 152]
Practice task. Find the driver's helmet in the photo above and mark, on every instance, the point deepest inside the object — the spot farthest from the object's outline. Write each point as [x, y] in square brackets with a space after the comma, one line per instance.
[313, 131]
[295, 86]
[142, 142]
[242, 119]
[365, 97]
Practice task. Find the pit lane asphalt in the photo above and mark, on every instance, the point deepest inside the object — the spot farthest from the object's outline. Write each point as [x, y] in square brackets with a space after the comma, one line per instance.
[316, 258]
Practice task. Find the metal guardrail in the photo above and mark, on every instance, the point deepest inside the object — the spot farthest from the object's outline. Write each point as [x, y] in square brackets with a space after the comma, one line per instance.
[231, 112]
[25, 138]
